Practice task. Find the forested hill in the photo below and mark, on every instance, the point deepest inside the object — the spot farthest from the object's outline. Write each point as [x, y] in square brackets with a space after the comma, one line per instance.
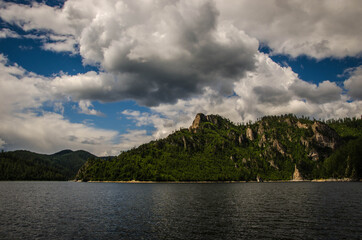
[25, 165]
[213, 148]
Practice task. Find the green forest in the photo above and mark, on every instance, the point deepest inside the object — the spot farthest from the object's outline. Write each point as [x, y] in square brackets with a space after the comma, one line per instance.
[25, 165]
[215, 149]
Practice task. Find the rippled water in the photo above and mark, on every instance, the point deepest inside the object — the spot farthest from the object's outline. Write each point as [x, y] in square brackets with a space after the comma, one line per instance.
[68, 210]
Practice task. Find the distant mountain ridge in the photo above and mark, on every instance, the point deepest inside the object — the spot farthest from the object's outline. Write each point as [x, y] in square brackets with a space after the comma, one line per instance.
[215, 149]
[26, 165]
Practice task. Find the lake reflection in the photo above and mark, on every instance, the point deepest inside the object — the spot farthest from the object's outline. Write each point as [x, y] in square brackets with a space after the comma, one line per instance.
[67, 210]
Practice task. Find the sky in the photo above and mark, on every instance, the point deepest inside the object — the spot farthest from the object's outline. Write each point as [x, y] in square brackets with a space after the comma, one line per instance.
[106, 76]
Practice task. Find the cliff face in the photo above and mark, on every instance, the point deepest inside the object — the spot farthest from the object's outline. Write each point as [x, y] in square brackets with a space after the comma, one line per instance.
[325, 136]
[213, 148]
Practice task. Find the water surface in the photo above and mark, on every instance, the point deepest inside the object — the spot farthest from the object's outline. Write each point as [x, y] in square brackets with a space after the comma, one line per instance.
[69, 210]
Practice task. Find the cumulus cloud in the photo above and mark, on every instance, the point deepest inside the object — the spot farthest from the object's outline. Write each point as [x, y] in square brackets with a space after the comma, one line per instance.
[51, 132]
[58, 107]
[325, 28]
[133, 138]
[25, 125]
[164, 125]
[323, 93]
[144, 30]
[272, 95]
[58, 43]
[19, 89]
[354, 83]
[162, 51]
[86, 107]
[7, 33]
[176, 53]
[156, 51]
[36, 16]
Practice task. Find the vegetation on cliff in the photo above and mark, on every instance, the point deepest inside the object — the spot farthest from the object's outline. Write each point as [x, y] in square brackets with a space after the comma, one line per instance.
[215, 149]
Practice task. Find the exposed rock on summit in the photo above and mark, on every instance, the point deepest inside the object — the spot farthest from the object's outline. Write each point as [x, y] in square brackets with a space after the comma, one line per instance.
[197, 121]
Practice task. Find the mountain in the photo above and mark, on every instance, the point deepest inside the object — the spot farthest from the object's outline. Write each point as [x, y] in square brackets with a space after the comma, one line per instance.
[215, 149]
[25, 165]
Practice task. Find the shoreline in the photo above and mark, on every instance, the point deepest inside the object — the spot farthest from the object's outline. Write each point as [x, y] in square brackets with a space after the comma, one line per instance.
[272, 181]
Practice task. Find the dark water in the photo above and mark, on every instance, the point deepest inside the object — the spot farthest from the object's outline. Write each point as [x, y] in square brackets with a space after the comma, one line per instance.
[68, 210]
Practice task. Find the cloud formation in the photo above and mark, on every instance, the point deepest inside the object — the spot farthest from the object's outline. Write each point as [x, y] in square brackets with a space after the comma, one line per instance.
[354, 83]
[25, 125]
[86, 107]
[138, 30]
[161, 51]
[325, 92]
[319, 29]
[7, 33]
[269, 90]
[156, 51]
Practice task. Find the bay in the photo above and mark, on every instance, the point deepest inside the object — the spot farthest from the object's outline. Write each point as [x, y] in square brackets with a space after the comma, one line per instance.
[289, 210]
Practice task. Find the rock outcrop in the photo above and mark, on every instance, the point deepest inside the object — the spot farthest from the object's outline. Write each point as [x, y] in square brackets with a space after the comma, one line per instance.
[241, 139]
[250, 134]
[184, 141]
[296, 175]
[197, 121]
[313, 154]
[302, 125]
[262, 141]
[324, 135]
[278, 147]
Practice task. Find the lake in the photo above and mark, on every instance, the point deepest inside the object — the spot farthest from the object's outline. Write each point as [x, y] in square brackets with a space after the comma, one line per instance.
[290, 210]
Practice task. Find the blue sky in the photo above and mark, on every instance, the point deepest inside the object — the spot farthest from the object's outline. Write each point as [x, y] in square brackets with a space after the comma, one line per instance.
[106, 76]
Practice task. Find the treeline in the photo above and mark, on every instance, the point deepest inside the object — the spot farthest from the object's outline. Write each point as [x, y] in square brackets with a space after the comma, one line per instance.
[345, 161]
[25, 165]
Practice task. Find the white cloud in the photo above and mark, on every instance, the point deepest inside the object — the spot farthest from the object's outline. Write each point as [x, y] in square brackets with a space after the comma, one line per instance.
[65, 45]
[133, 138]
[24, 125]
[324, 28]
[7, 33]
[325, 92]
[108, 31]
[131, 113]
[85, 108]
[162, 51]
[58, 107]
[20, 90]
[354, 83]
[151, 51]
[36, 16]
[50, 132]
